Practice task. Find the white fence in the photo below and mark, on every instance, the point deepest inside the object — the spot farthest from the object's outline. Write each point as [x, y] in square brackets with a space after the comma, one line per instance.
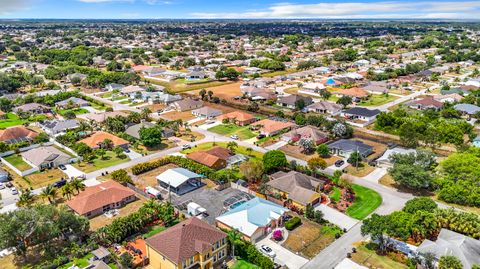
[21, 173]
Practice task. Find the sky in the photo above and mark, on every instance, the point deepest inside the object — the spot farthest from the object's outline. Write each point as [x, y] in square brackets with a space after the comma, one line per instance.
[240, 9]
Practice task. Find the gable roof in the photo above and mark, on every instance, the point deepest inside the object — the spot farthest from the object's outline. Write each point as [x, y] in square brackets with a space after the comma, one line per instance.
[207, 111]
[251, 215]
[101, 117]
[96, 138]
[426, 102]
[16, 134]
[185, 240]
[467, 108]
[188, 104]
[205, 158]
[308, 132]
[220, 152]
[300, 187]
[30, 107]
[97, 196]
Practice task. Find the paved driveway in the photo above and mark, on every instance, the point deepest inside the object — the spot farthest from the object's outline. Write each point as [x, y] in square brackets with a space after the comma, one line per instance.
[277, 145]
[8, 198]
[72, 172]
[336, 217]
[283, 255]
[133, 155]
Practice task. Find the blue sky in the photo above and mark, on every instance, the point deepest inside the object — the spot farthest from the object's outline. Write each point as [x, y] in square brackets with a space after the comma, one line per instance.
[259, 9]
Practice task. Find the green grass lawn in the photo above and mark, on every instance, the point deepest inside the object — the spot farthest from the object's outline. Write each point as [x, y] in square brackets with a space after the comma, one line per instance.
[366, 201]
[119, 97]
[366, 255]
[97, 106]
[378, 99]
[192, 81]
[243, 132]
[17, 161]
[81, 263]
[151, 231]
[11, 120]
[109, 160]
[242, 264]
[335, 194]
[77, 111]
[240, 149]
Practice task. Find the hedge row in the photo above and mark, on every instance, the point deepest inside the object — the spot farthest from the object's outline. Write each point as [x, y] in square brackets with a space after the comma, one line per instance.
[293, 223]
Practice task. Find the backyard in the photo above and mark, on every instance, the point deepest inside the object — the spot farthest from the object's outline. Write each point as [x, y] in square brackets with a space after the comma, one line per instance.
[378, 99]
[11, 120]
[102, 220]
[367, 256]
[310, 238]
[242, 264]
[81, 262]
[110, 159]
[149, 178]
[366, 201]
[243, 132]
[77, 111]
[17, 161]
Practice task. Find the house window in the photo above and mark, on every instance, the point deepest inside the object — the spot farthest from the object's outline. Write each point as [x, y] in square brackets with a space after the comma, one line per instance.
[191, 260]
[214, 258]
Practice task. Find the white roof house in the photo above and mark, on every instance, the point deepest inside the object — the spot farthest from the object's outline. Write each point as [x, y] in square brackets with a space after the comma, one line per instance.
[177, 176]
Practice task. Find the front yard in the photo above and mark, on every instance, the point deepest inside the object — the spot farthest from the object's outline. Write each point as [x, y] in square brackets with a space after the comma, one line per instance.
[362, 170]
[44, 178]
[17, 161]
[366, 201]
[243, 132]
[378, 99]
[77, 111]
[310, 238]
[11, 120]
[110, 159]
[101, 220]
[366, 255]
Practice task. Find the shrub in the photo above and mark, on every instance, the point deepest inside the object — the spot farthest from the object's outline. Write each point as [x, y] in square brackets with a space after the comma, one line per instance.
[293, 223]
[121, 176]
[277, 235]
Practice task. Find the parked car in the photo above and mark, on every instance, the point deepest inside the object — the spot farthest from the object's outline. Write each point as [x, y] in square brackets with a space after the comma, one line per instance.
[339, 163]
[62, 167]
[127, 150]
[9, 184]
[234, 137]
[13, 190]
[267, 251]
[186, 146]
[2, 186]
[59, 183]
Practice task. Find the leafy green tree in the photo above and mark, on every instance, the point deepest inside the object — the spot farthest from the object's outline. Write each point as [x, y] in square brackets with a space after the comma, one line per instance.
[355, 158]
[101, 153]
[274, 159]
[121, 176]
[300, 104]
[323, 150]
[300, 119]
[82, 149]
[449, 262]
[232, 146]
[420, 204]
[376, 226]
[126, 260]
[344, 101]
[252, 170]
[307, 144]
[413, 170]
[151, 137]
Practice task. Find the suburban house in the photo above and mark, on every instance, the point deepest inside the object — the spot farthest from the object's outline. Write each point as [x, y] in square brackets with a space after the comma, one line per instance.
[357, 94]
[153, 71]
[54, 127]
[206, 112]
[448, 98]
[192, 243]
[307, 132]
[376, 87]
[467, 109]
[101, 198]
[186, 104]
[425, 103]
[207, 159]
[254, 219]
[45, 157]
[312, 88]
[114, 86]
[325, 107]
[360, 113]
[301, 189]
[96, 140]
[272, 127]
[179, 180]
[33, 108]
[384, 160]
[134, 130]
[132, 89]
[466, 249]
[16, 134]
[255, 93]
[238, 117]
[195, 75]
[72, 102]
[345, 147]
[291, 101]
[101, 117]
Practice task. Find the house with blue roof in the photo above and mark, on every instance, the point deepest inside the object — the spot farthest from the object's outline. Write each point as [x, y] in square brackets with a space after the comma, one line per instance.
[254, 219]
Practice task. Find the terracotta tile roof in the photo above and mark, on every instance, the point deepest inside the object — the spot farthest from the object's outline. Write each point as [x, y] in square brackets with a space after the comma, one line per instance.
[270, 126]
[95, 197]
[354, 92]
[238, 115]
[220, 152]
[204, 158]
[17, 133]
[95, 139]
[185, 240]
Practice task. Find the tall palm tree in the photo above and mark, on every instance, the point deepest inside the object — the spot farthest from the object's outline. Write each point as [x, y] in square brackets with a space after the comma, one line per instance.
[232, 146]
[26, 198]
[67, 191]
[49, 193]
[233, 236]
[145, 114]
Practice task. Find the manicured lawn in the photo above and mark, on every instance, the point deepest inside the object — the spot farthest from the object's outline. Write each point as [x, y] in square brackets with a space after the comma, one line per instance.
[378, 99]
[109, 160]
[11, 120]
[240, 149]
[44, 178]
[98, 107]
[81, 263]
[242, 264]
[17, 161]
[367, 256]
[243, 132]
[77, 111]
[119, 97]
[335, 194]
[366, 201]
[153, 231]
[279, 73]
[192, 81]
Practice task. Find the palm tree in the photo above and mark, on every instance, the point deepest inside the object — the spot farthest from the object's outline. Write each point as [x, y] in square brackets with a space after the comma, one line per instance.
[84, 126]
[233, 236]
[232, 146]
[26, 198]
[50, 193]
[145, 114]
[67, 191]
[77, 185]
[107, 143]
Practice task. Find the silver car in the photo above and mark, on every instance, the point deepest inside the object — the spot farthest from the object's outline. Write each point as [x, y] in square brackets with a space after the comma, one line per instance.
[267, 251]
[14, 191]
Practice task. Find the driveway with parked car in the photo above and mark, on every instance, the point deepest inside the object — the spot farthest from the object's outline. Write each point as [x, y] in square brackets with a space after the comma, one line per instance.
[72, 172]
[283, 256]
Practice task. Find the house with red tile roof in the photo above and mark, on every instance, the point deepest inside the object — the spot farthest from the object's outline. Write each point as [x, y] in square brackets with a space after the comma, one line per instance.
[272, 127]
[17, 134]
[95, 140]
[216, 158]
[96, 200]
[192, 243]
[238, 117]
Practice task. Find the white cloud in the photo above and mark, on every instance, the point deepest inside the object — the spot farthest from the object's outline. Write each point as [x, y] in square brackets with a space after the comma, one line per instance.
[354, 10]
[10, 6]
